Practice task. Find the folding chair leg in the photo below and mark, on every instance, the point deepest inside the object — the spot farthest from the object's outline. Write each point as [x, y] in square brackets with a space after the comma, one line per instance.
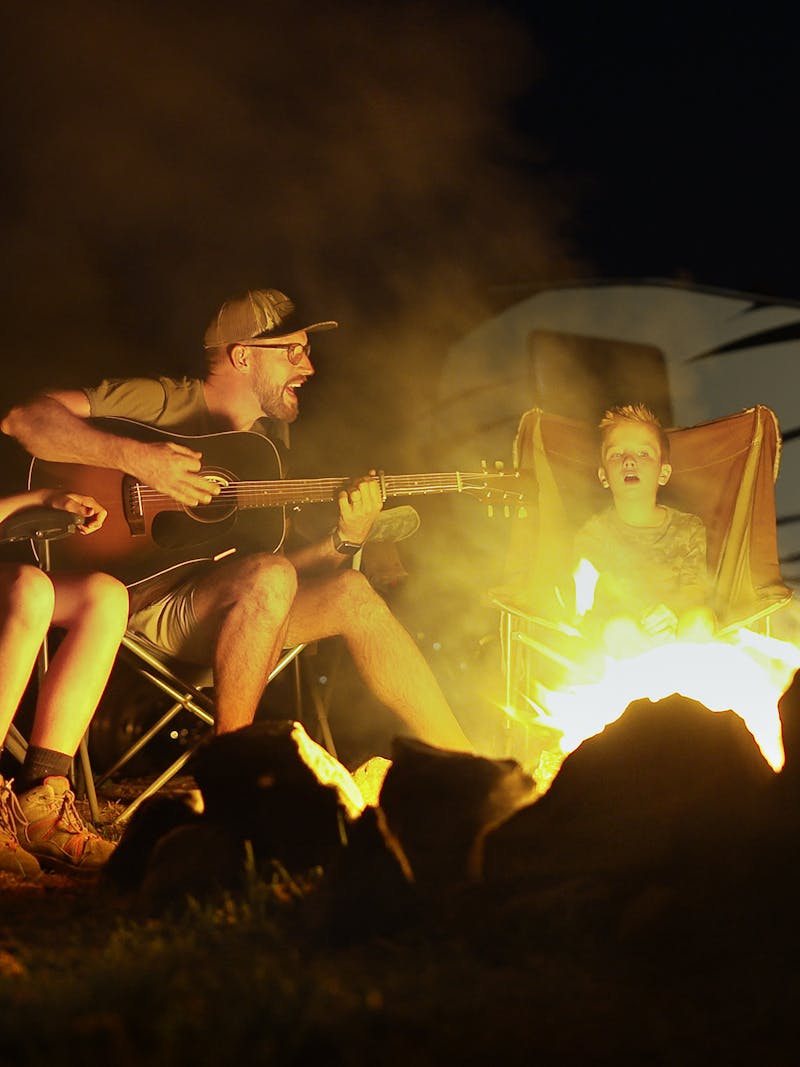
[88, 779]
[186, 696]
[321, 704]
[139, 744]
[324, 725]
[155, 785]
[16, 744]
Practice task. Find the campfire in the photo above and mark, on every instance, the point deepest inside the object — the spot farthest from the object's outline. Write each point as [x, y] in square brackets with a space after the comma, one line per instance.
[739, 670]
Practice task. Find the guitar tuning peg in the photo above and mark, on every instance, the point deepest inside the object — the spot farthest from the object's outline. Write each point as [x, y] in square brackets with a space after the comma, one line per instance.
[499, 466]
[522, 512]
[490, 510]
[507, 511]
[484, 466]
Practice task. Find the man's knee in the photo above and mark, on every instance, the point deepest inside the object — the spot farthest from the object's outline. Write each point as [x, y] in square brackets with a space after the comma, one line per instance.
[269, 580]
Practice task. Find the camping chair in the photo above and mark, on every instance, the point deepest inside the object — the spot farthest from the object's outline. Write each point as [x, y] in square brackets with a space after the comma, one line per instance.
[187, 685]
[184, 685]
[724, 471]
[41, 526]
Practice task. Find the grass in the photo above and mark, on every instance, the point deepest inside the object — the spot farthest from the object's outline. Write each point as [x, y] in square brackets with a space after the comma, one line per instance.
[474, 978]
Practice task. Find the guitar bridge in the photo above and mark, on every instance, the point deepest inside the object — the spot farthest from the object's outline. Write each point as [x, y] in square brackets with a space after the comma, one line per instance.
[132, 505]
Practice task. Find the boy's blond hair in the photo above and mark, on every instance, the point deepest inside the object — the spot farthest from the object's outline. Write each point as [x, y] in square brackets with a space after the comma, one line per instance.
[633, 413]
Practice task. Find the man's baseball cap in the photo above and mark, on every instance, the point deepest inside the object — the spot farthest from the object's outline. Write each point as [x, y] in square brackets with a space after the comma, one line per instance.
[260, 313]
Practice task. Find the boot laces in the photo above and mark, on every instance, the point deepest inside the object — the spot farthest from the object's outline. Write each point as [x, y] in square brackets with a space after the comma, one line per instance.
[68, 817]
[9, 808]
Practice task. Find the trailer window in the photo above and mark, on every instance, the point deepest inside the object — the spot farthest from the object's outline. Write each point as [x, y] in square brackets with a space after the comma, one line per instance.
[579, 377]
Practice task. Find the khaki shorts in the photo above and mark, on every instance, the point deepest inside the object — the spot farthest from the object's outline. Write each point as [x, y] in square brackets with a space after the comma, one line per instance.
[170, 625]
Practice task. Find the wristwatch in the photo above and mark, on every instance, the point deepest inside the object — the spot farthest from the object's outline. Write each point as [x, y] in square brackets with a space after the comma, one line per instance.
[346, 548]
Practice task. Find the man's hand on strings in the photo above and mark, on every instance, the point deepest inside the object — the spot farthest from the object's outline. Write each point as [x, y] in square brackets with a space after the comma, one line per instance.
[360, 503]
[173, 469]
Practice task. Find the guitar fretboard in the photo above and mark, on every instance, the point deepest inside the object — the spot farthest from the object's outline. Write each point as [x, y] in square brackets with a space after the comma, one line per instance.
[282, 492]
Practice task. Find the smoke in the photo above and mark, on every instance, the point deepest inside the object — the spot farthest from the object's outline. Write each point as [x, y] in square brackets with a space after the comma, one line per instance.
[362, 157]
[163, 157]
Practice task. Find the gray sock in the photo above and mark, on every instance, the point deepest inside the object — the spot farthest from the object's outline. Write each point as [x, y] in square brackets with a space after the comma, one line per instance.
[41, 763]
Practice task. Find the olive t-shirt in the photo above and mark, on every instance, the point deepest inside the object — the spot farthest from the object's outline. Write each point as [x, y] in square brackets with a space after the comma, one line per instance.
[641, 567]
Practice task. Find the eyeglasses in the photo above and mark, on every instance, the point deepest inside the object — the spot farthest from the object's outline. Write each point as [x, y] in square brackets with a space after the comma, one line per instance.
[294, 350]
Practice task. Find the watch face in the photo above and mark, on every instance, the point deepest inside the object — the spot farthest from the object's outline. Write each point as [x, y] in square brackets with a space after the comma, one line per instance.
[347, 548]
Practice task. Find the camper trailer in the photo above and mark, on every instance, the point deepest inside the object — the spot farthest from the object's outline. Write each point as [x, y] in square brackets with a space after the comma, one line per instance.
[691, 354]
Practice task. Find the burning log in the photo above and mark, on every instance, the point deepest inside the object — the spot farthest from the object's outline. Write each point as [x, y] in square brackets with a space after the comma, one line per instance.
[369, 890]
[440, 804]
[268, 792]
[668, 786]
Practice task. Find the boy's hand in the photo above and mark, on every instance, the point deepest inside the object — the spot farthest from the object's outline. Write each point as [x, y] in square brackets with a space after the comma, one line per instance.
[659, 621]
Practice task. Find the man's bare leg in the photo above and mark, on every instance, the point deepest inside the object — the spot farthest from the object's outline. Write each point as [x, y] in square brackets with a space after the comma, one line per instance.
[248, 601]
[386, 656]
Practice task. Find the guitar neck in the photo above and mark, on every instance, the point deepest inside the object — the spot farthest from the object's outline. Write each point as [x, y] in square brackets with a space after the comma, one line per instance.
[283, 493]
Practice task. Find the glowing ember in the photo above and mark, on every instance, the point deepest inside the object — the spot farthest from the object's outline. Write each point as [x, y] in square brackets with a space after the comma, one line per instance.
[744, 672]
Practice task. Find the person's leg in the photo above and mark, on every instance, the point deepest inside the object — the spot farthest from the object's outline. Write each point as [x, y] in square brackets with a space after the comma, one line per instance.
[26, 608]
[384, 652]
[93, 610]
[245, 603]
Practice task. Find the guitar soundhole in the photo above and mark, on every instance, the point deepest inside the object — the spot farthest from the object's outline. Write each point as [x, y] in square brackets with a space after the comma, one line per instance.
[222, 506]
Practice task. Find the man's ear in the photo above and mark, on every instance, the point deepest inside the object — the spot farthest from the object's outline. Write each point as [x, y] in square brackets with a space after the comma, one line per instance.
[237, 354]
[666, 472]
[601, 474]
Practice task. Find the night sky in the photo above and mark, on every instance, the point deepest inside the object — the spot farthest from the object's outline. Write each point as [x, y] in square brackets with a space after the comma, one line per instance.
[396, 168]
[679, 132]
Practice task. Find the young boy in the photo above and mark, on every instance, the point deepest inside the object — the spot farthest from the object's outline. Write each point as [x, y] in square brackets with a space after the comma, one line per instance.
[38, 818]
[653, 582]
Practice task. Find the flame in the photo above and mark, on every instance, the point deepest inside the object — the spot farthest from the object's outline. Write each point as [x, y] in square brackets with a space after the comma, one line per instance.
[585, 578]
[743, 671]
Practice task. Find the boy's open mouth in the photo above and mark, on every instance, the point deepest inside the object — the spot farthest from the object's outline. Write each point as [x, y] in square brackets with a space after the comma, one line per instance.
[631, 478]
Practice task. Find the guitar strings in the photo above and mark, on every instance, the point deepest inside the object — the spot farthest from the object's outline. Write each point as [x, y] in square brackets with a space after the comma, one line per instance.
[299, 487]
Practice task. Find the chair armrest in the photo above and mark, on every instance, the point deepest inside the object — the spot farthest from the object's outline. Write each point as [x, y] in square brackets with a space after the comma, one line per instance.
[39, 523]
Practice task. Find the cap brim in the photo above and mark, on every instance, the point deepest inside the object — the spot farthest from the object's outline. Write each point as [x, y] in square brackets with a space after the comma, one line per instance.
[289, 326]
[319, 326]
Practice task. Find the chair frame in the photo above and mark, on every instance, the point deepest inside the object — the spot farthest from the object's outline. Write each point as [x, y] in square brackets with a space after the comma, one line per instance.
[158, 670]
[759, 497]
[161, 670]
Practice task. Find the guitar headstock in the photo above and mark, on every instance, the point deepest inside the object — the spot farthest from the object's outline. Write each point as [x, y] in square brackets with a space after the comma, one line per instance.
[497, 488]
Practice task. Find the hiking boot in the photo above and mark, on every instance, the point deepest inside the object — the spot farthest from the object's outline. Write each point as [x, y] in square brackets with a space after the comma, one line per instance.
[51, 828]
[13, 857]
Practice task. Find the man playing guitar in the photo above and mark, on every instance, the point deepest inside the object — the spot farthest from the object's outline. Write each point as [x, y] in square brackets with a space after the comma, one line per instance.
[240, 612]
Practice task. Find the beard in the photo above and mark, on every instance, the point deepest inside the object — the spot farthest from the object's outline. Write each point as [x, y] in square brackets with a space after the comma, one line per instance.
[275, 398]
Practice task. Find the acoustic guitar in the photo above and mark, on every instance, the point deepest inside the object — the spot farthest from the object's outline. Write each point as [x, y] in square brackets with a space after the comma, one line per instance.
[147, 532]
